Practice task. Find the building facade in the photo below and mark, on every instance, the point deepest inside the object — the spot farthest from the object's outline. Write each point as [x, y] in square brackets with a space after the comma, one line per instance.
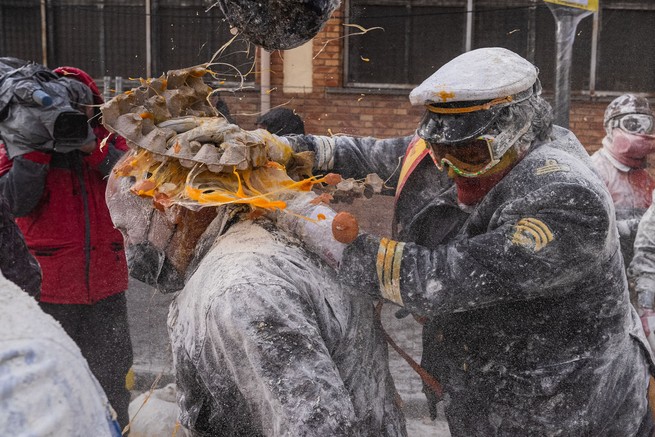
[355, 76]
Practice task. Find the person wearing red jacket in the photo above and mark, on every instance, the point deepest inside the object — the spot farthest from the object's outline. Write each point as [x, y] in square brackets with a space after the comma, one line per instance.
[59, 203]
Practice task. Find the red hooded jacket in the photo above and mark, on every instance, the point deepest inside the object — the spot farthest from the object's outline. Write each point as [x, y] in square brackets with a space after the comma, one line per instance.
[59, 201]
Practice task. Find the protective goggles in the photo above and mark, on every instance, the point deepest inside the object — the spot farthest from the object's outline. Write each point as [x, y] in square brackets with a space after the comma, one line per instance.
[468, 160]
[475, 157]
[635, 124]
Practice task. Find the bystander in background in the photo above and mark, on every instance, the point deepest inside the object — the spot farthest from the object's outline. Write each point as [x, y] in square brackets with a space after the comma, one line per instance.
[621, 163]
[281, 121]
[54, 156]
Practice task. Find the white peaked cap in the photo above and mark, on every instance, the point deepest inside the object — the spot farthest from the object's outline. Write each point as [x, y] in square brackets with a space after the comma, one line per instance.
[481, 74]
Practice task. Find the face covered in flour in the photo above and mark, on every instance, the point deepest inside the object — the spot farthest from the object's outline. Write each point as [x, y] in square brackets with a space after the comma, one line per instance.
[159, 245]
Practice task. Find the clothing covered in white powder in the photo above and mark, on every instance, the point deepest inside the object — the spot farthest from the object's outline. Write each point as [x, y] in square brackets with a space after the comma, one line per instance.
[266, 343]
[46, 387]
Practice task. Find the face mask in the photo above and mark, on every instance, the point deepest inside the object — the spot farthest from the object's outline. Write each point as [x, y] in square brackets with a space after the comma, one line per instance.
[630, 149]
[149, 265]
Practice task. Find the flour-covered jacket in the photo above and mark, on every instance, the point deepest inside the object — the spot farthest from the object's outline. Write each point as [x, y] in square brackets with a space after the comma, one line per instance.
[46, 386]
[266, 343]
[642, 268]
[531, 330]
[631, 190]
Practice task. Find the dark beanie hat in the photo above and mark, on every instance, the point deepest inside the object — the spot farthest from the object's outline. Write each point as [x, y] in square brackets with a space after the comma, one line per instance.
[282, 121]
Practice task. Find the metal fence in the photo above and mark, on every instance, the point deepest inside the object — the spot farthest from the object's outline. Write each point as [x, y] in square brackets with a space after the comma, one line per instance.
[124, 38]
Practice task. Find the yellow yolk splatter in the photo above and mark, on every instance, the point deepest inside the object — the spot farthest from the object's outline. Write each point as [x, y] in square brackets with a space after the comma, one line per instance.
[260, 188]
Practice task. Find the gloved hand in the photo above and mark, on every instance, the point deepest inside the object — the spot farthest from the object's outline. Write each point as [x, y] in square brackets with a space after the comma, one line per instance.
[278, 148]
[316, 233]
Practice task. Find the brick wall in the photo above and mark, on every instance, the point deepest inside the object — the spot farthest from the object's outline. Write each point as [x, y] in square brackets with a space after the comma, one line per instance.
[586, 121]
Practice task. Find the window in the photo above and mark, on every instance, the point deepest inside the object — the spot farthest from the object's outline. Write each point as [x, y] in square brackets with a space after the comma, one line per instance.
[417, 38]
[421, 35]
[19, 18]
[108, 37]
[626, 47]
[189, 33]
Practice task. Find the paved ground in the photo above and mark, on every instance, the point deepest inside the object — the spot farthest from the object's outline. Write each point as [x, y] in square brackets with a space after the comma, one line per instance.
[152, 355]
[147, 310]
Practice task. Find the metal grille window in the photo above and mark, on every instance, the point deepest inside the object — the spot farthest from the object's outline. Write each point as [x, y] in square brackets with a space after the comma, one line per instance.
[614, 50]
[121, 37]
[417, 37]
[189, 33]
[19, 18]
[626, 46]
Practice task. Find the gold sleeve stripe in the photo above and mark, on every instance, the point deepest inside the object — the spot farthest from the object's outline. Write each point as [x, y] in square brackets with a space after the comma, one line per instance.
[541, 234]
[379, 262]
[520, 229]
[541, 225]
[395, 278]
[388, 263]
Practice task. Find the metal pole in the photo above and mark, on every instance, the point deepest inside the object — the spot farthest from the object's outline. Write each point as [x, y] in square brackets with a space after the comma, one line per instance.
[102, 52]
[594, 55]
[44, 34]
[567, 19]
[469, 26]
[118, 85]
[106, 88]
[408, 27]
[51, 48]
[532, 31]
[148, 40]
[3, 38]
[265, 98]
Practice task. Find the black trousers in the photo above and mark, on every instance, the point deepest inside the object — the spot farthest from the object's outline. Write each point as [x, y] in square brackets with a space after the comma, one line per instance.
[102, 333]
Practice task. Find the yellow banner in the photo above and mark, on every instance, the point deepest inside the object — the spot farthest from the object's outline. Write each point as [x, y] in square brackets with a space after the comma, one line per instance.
[589, 5]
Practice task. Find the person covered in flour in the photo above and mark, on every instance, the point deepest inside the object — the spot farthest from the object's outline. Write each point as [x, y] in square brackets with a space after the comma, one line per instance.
[622, 163]
[47, 386]
[265, 341]
[515, 265]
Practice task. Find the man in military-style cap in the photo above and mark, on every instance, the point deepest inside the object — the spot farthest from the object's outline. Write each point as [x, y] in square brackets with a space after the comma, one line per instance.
[515, 265]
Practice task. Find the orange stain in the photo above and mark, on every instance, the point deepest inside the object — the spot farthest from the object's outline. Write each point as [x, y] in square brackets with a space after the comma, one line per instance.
[445, 95]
